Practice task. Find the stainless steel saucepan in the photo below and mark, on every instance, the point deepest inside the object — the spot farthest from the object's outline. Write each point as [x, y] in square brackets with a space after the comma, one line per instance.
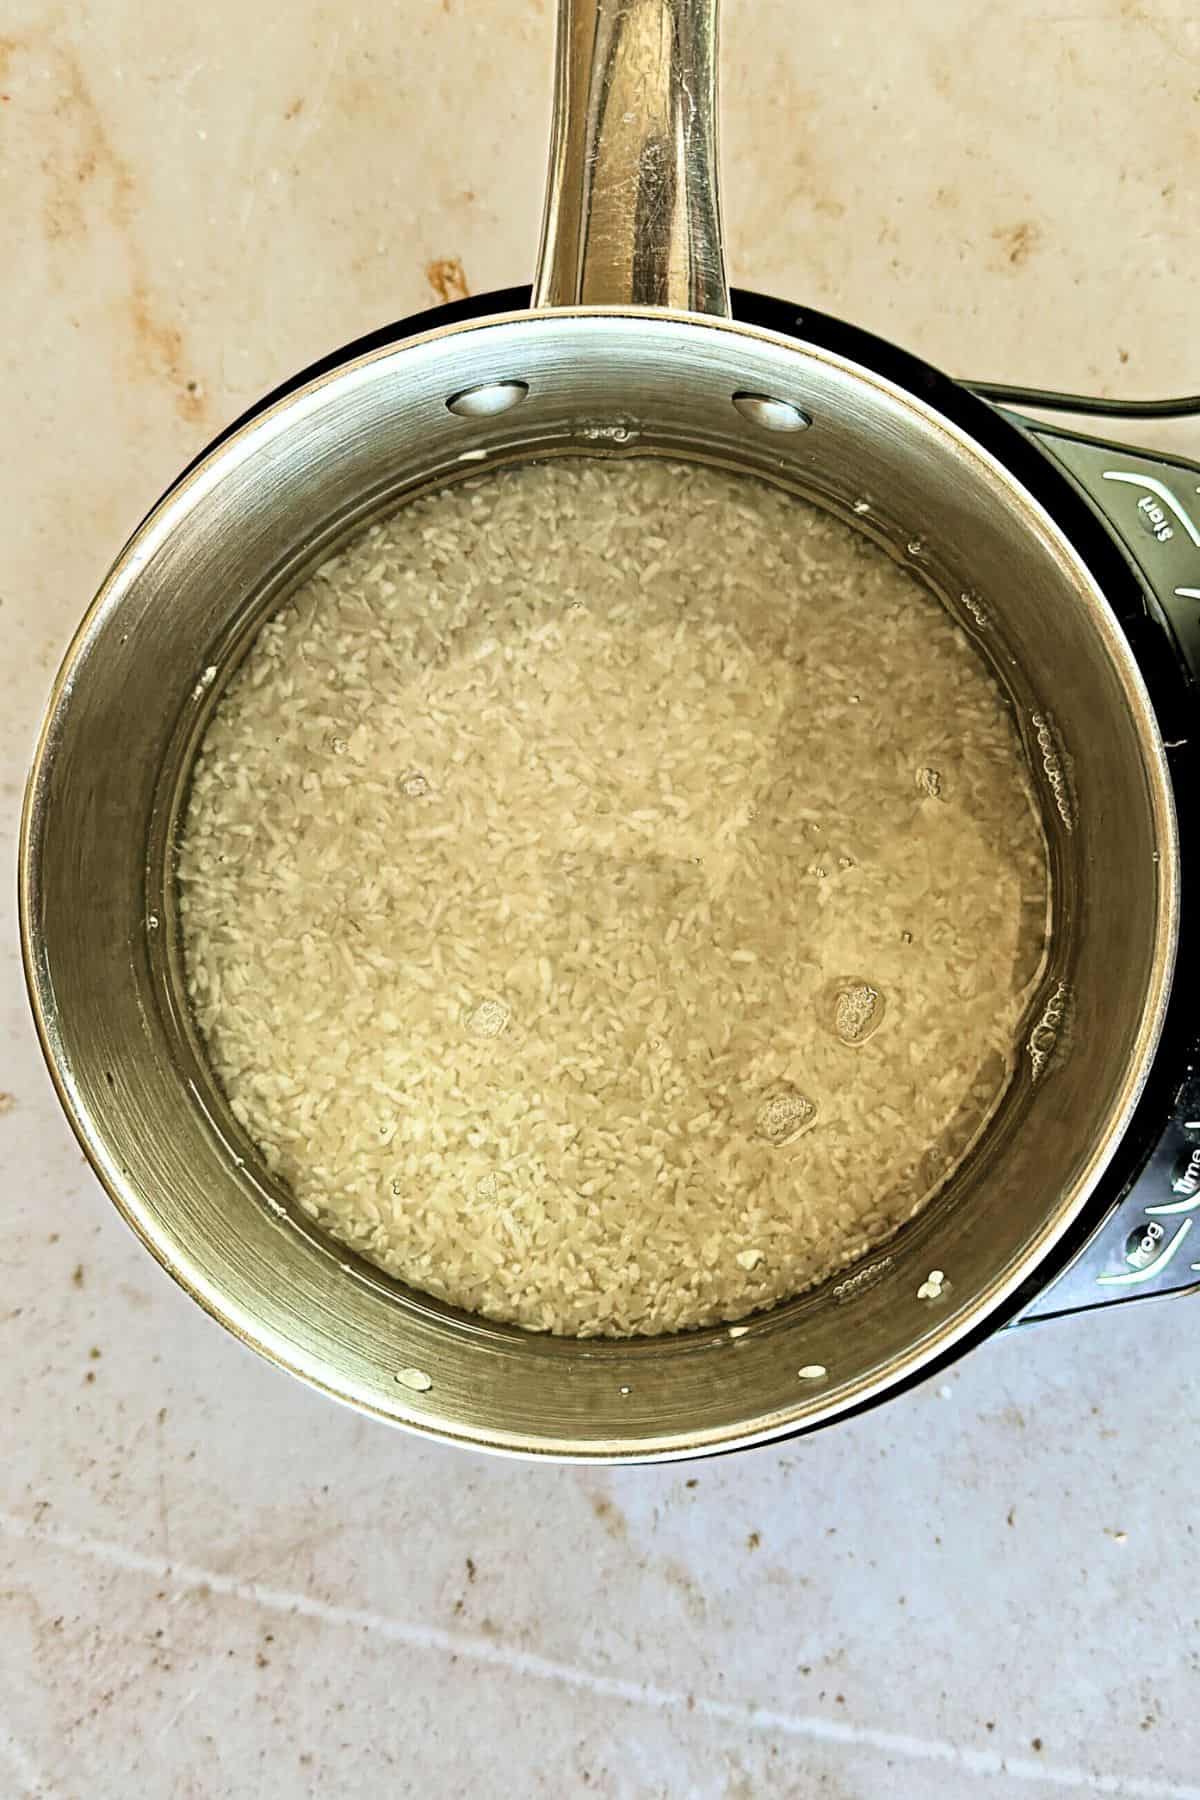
[630, 347]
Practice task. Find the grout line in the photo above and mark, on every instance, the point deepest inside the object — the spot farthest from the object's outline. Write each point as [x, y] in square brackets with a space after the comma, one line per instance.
[19, 1760]
[191, 1577]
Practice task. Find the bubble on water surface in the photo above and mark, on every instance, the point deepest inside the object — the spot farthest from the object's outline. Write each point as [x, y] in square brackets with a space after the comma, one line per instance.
[857, 1008]
[783, 1114]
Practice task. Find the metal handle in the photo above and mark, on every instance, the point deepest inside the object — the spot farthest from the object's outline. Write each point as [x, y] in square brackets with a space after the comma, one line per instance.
[632, 205]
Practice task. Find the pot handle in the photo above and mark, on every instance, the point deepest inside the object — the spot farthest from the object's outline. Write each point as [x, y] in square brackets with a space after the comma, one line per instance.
[633, 211]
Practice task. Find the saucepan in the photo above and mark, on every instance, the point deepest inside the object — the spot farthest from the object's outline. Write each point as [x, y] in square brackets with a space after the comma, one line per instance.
[628, 345]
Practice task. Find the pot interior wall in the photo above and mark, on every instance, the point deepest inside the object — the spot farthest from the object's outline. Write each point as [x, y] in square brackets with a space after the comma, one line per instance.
[130, 707]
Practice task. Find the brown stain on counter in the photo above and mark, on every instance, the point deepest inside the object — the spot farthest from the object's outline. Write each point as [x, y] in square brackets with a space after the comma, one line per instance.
[162, 348]
[610, 1516]
[668, 1568]
[679, 1576]
[447, 277]
[87, 180]
[1017, 243]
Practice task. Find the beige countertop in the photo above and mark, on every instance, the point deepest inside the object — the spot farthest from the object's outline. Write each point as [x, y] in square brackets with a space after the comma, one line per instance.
[216, 1584]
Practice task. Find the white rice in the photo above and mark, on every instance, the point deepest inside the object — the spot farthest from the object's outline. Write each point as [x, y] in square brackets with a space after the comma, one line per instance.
[609, 894]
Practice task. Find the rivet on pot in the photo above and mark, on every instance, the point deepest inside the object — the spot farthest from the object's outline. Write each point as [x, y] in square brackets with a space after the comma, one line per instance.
[771, 414]
[484, 402]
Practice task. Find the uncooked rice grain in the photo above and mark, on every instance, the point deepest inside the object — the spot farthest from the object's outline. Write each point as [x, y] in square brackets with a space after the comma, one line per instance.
[609, 893]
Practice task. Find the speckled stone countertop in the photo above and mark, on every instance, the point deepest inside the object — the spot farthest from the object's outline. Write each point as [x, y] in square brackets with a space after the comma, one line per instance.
[215, 1583]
